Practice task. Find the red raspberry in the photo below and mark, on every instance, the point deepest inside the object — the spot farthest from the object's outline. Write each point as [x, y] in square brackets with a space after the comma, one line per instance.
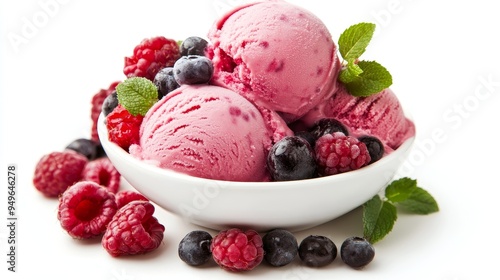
[150, 56]
[124, 197]
[96, 102]
[236, 250]
[85, 209]
[123, 128]
[337, 153]
[103, 172]
[56, 171]
[133, 230]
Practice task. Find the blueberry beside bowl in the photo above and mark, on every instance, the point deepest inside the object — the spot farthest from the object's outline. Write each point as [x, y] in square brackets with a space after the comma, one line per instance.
[292, 205]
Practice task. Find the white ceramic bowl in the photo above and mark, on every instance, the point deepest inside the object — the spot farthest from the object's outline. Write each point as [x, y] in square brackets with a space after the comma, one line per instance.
[293, 205]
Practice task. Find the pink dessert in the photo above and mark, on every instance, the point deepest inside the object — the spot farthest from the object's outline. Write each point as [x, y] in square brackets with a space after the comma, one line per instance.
[277, 55]
[379, 115]
[209, 132]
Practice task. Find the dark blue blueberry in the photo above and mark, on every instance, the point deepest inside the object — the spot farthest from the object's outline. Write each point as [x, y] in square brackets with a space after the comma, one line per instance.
[194, 248]
[308, 136]
[291, 158]
[193, 46]
[317, 251]
[328, 126]
[357, 252]
[281, 247]
[85, 147]
[165, 82]
[193, 69]
[375, 147]
[110, 103]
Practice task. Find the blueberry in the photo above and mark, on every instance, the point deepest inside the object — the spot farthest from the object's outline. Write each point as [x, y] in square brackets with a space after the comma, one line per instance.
[110, 103]
[317, 251]
[328, 126]
[308, 136]
[375, 147]
[193, 69]
[193, 46]
[165, 82]
[194, 248]
[357, 252]
[291, 158]
[86, 147]
[281, 247]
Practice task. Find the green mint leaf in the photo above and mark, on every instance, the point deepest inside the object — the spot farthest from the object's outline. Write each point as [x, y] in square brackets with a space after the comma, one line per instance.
[419, 202]
[374, 79]
[400, 190]
[378, 219]
[354, 40]
[350, 72]
[137, 95]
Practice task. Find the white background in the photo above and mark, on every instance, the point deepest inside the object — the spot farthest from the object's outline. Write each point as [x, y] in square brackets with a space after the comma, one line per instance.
[444, 61]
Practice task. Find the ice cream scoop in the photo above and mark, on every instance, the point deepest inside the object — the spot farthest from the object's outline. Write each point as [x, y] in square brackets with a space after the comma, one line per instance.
[209, 132]
[278, 55]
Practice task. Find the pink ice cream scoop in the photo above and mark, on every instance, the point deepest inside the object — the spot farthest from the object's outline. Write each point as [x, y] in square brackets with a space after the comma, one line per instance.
[278, 55]
[209, 132]
[379, 115]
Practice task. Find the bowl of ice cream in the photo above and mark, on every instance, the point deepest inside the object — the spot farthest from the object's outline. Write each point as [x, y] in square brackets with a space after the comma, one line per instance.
[219, 204]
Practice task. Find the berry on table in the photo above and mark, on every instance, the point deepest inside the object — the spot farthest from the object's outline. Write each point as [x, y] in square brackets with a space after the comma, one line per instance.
[194, 248]
[97, 102]
[85, 147]
[133, 230]
[338, 153]
[103, 172]
[165, 81]
[327, 126]
[317, 251]
[123, 197]
[56, 171]
[123, 127]
[193, 69]
[375, 147]
[151, 55]
[357, 252]
[281, 247]
[193, 45]
[291, 158]
[85, 209]
[237, 250]
[110, 103]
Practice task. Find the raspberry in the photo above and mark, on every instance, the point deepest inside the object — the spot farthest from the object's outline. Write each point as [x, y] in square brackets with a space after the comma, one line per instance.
[96, 102]
[56, 171]
[133, 230]
[236, 250]
[85, 209]
[150, 56]
[337, 153]
[103, 172]
[123, 128]
[124, 197]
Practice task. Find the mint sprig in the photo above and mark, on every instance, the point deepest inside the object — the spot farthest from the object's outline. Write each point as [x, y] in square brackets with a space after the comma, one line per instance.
[361, 78]
[137, 95]
[380, 214]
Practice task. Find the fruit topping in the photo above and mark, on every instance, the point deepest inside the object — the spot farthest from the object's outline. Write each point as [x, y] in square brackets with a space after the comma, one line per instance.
[193, 45]
[193, 69]
[291, 158]
[375, 147]
[327, 126]
[123, 127]
[85, 209]
[165, 81]
[110, 103]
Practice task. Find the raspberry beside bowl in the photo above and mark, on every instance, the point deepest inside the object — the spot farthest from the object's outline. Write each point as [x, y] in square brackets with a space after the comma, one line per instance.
[292, 205]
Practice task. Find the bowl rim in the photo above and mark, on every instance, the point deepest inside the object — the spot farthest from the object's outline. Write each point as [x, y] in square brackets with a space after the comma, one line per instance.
[109, 146]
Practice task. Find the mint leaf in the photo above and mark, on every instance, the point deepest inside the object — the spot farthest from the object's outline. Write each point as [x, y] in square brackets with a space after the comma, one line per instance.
[350, 73]
[374, 79]
[378, 219]
[354, 40]
[137, 95]
[400, 190]
[419, 202]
